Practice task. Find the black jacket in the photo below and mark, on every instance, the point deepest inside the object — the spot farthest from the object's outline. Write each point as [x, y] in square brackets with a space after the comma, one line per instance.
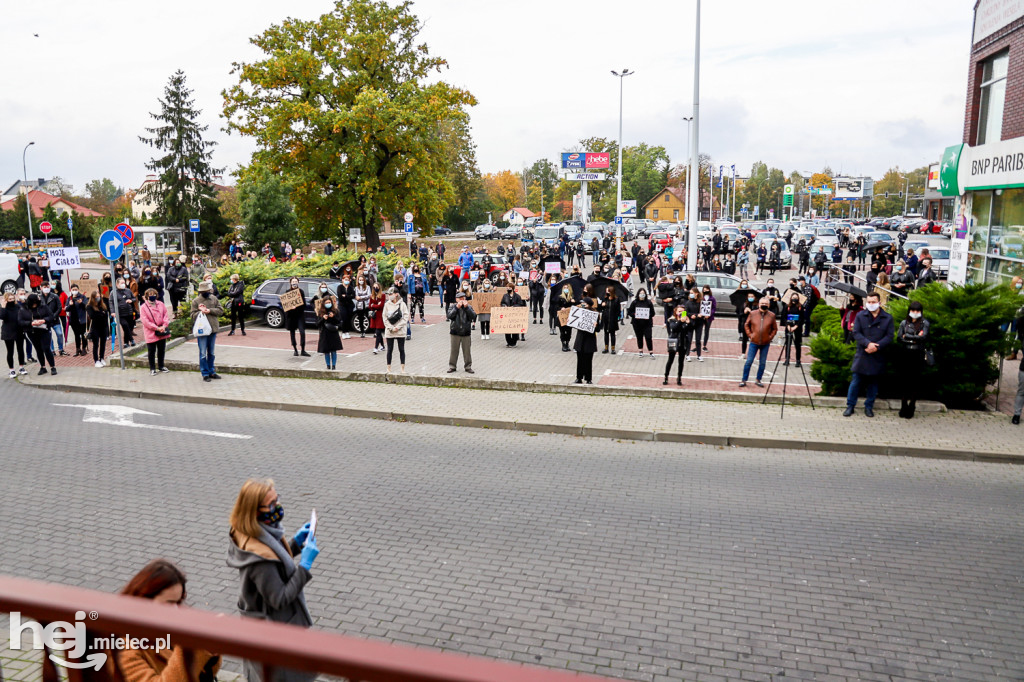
[11, 328]
[676, 328]
[177, 278]
[909, 334]
[462, 320]
[99, 323]
[611, 310]
[75, 308]
[51, 301]
[328, 322]
[41, 312]
[236, 292]
[870, 329]
[586, 342]
[125, 304]
[513, 300]
[631, 311]
[151, 282]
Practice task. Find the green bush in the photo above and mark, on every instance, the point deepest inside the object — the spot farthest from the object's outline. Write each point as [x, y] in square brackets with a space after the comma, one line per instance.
[820, 312]
[256, 272]
[965, 339]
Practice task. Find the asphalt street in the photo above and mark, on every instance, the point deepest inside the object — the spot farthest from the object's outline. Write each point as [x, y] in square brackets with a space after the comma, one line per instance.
[643, 561]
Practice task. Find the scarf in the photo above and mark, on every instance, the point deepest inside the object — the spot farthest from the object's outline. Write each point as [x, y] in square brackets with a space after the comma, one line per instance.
[273, 537]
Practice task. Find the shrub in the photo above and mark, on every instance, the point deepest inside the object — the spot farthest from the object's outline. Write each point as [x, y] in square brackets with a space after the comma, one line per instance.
[821, 310]
[832, 357]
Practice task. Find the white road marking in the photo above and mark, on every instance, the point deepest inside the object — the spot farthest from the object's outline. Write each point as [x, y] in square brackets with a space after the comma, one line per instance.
[121, 415]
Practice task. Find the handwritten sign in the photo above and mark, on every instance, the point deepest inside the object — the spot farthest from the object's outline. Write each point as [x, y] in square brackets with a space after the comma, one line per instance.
[483, 301]
[524, 292]
[552, 268]
[291, 299]
[582, 319]
[474, 275]
[563, 317]
[510, 320]
[641, 313]
[86, 286]
[63, 258]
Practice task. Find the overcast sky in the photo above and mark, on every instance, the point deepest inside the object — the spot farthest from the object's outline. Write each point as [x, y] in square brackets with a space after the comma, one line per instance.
[859, 86]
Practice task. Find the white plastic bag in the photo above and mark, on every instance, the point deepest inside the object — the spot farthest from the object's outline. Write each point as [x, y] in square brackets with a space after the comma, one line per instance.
[201, 326]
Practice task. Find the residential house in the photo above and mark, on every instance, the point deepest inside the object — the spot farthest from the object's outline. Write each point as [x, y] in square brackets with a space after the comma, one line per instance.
[143, 203]
[668, 204]
[517, 216]
[39, 200]
[17, 188]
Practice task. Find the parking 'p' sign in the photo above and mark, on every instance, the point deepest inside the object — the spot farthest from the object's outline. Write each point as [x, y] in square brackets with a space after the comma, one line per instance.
[126, 232]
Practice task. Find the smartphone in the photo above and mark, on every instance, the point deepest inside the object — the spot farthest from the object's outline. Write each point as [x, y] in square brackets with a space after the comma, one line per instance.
[312, 525]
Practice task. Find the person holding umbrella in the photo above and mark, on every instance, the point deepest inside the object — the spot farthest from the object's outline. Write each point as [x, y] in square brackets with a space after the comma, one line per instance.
[586, 346]
[643, 323]
[679, 329]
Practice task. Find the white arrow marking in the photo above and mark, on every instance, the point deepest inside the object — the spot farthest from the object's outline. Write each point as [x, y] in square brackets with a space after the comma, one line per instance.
[121, 415]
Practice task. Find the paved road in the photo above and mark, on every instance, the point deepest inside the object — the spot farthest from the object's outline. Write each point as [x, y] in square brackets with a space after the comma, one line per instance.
[641, 561]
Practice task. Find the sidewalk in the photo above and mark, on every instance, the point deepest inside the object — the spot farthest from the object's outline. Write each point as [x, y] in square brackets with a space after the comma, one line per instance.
[978, 436]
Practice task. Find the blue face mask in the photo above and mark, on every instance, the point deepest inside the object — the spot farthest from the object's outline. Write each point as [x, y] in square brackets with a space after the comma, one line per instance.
[328, 305]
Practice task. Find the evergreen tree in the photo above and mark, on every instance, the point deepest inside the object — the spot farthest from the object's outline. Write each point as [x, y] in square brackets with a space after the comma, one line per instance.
[265, 208]
[182, 189]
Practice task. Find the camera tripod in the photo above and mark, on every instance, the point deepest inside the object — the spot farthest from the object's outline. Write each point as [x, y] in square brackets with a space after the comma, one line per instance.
[786, 352]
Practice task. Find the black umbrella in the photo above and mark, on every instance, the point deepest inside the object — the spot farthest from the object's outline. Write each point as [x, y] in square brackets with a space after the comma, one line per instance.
[576, 282]
[551, 258]
[739, 297]
[848, 288]
[601, 285]
[877, 246]
[354, 264]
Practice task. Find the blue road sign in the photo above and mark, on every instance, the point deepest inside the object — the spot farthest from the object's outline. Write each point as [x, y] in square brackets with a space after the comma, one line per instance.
[618, 220]
[193, 225]
[408, 227]
[126, 232]
[111, 245]
[70, 224]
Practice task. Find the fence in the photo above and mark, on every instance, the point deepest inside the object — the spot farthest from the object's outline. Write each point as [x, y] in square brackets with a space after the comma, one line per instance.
[273, 645]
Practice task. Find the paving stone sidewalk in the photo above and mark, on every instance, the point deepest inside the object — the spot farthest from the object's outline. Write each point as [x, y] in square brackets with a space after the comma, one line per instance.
[954, 434]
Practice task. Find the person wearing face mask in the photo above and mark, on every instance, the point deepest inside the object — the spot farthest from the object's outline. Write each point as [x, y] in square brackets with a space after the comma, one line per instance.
[912, 336]
[643, 322]
[512, 299]
[272, 568]
[36, 320]
[12, 334]
[236, 301]
[793, 314]
[360, 313]
[925, 274]
[99, 327]
[772, 295]
[761, 327]
[873, 331]
[374, 310]
[295, 320]
[902, 280]
[565, 300]
[417, 284]
[155, 323]
[708, 308]
[741, 313]
[679, 328]
[162, 582]
[208, 304]
[585, 346]
[346, 303]
[177, 284]
[328, 321]
[396, 317]
[848, 315]
[152, 280]
[872, 277]
[125, 302]
[51, 300]
[484, 318]
[611, 310]
[695, 325]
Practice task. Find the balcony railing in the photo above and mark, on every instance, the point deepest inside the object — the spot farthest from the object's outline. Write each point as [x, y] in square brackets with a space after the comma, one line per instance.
[273, 645]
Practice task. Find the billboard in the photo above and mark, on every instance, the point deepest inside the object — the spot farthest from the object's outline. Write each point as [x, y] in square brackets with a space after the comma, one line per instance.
[627, 208]
[598, 160]
[853, 188]
[573, 160]
[933, 176]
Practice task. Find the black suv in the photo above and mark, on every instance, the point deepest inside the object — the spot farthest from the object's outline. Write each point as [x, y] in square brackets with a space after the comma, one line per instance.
[266, 300]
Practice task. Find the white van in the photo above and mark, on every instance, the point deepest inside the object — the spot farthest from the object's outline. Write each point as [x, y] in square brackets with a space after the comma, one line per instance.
[8, 273]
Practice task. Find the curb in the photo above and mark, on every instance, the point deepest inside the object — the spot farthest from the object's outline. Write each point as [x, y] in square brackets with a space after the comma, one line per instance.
[531, 387]
[562, 429]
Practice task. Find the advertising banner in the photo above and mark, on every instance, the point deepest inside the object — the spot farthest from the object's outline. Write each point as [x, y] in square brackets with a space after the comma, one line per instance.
[627, 208]
[574, 160]
[598, 160]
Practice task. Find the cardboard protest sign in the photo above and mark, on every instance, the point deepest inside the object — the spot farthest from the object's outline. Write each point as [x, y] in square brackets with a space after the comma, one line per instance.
[583, 319]
[510, 320]
[484, 301]
[524, 292]
[291, 299]
[86, 286]
[563, 317]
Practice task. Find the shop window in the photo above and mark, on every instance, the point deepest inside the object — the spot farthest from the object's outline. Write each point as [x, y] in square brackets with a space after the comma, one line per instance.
[1002, 271]
[981, 209]
[993, 97]
[1004, 233]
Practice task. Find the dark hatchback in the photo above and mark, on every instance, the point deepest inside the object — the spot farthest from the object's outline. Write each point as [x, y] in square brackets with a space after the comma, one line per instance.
[266, 300]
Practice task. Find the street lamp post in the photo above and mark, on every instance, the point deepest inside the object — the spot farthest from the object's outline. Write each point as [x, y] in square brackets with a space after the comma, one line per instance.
[28, 206]
[618, 183]
[691, 236]
[689, 120]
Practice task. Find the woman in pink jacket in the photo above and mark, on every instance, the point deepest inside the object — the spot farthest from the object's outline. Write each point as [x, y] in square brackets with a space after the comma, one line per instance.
[155, 321]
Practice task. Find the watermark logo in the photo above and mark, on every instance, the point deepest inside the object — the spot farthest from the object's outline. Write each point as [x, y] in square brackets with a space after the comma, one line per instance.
[73, 639]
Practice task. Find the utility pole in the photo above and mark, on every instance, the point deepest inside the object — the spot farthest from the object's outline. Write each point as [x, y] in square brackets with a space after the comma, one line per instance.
[618, 183]
[28, 206]
[691, 235]
[686, 217]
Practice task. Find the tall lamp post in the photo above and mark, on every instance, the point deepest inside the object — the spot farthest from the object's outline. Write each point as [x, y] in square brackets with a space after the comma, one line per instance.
[691, 236]
[618, 182]
[28, 206]
[689, 120]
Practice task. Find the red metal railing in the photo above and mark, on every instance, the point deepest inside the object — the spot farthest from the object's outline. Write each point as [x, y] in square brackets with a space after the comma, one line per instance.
[272, 644]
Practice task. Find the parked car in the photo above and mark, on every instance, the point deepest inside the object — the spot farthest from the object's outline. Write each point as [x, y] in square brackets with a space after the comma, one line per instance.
[548, 234]
[876, 237]
[9, 273]
[487, 232]
[266, 300]
[876, 223]
[657, 239]
[441, 230]
[826, 236]
[512, 232]
[722, 285]
[533, 222]
[947, 230]
[785, 255]
[498, 263]
[601, 228]
[587, 239]
[573, 232]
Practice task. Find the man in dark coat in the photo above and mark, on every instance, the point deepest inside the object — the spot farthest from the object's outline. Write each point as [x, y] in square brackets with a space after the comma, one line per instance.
[873, 330]
[462, 316]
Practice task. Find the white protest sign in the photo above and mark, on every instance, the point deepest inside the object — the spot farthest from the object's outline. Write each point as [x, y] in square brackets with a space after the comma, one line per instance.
[552, 267]
[642, 313]
[583, 319]
[64, 258]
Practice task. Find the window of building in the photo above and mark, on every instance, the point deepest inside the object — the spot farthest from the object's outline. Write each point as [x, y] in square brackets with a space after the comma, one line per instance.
[655, 214]
[675, 214]
[993, 96]
[666, 197]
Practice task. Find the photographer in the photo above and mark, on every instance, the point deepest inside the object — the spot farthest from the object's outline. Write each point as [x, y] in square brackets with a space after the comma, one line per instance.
[794, 316]
[461, 316]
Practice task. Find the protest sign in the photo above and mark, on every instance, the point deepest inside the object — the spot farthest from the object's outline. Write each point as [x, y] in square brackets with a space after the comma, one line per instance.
[63, 258]
[291, 299]
[552, 268]
[563, 317]
[86, 286]
[524, 292]
[483, 301]
[510, 320]
[641, 313]
[583, 319]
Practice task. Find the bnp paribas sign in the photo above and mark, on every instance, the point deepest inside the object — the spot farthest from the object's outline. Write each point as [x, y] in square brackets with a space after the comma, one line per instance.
[991, 166]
